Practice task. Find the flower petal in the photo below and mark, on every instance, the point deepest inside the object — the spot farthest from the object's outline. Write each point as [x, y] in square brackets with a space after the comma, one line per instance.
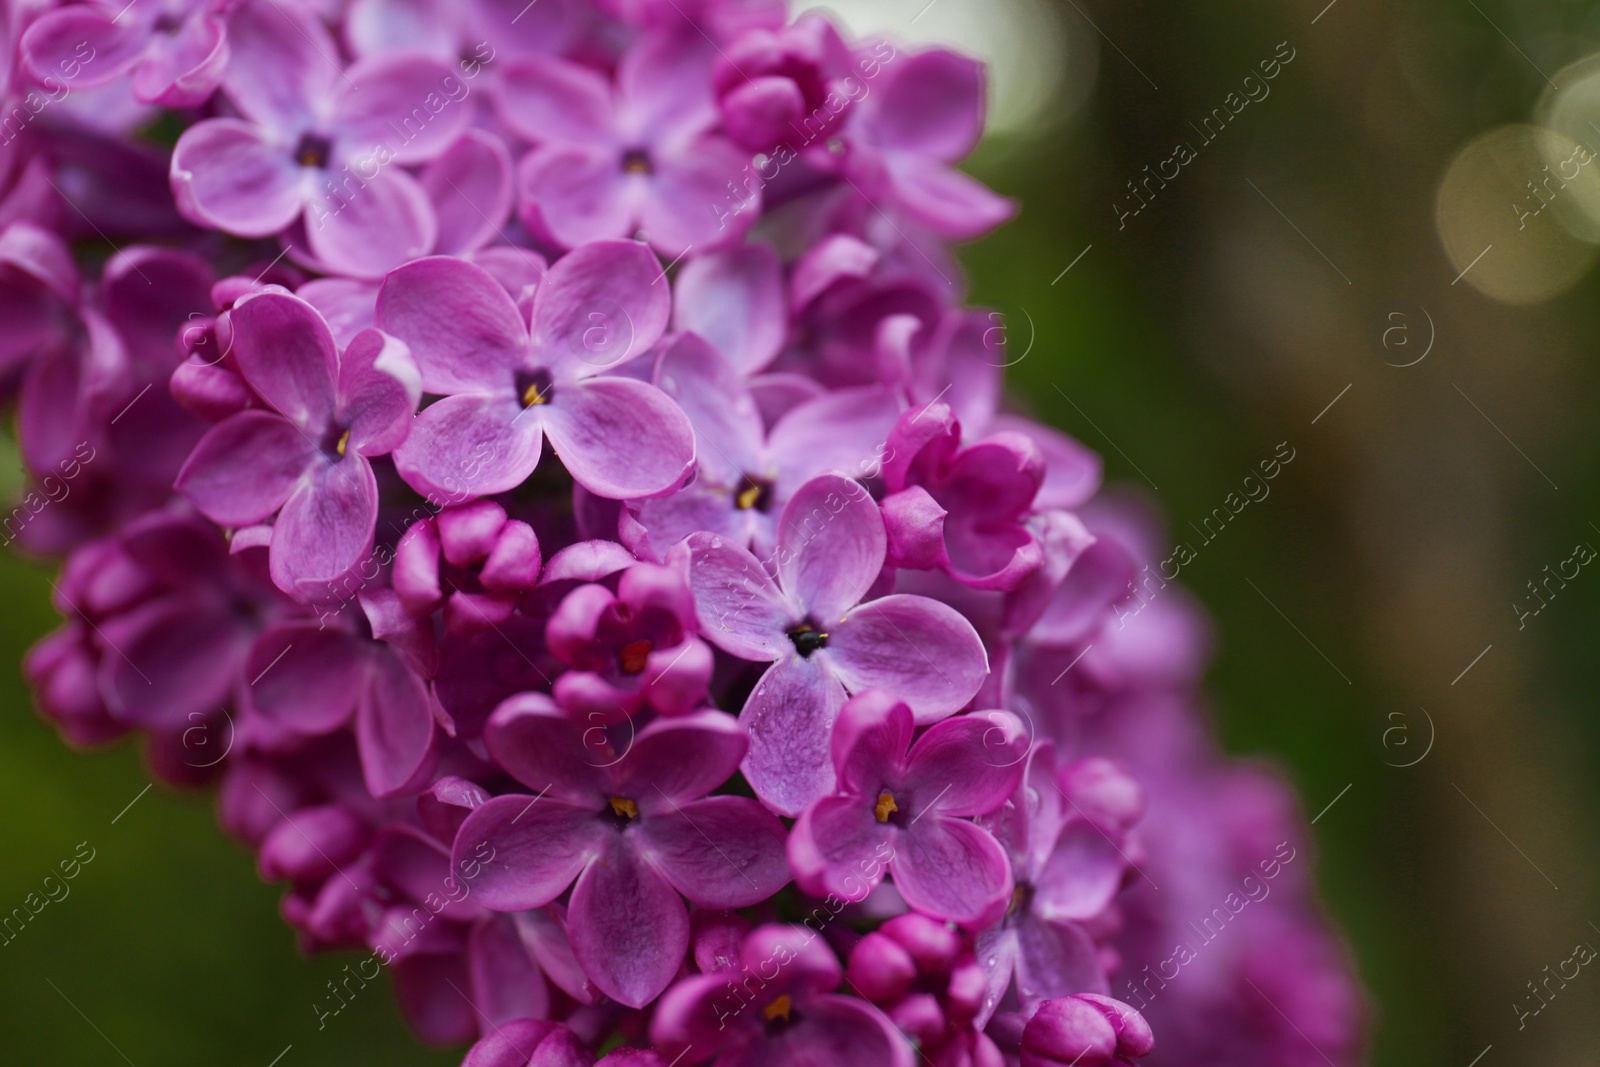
[931, 104]
[948, 202]
[846, 431]
[470, 444]
[394, 728]
[226, 176]
[734, 298]
[326, 526]
[968, 765]
[923, 651]
[463, 329]
[506, 983]
[952, 870]
[831, 546]
[541, 747]
[519, 852]
[687, 201]
[286, 352]
[573, 194]
[402, 101]
[1055, 960]
[629, 928]
[741, 609]
[620, 439]
[472, 191]
[54, 44]
[304, 677]
[677, 760]
[553, 100]
[1082, 875]
[790, 717]
[720, 852]
[600, 306]
[245, 467]
[283, 64]
[841, 1032]
[713, 396]
[379, 388]
[368, 231]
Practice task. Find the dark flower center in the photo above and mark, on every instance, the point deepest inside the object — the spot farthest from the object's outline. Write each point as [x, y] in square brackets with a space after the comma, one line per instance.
[780, 1013]
[334, 443]
[753, 492]
[634, 655]
[807, 639]
[637, 161]
[313, 150]
[1021, 899]
[623, 811]
[535, 388]
[168, 24]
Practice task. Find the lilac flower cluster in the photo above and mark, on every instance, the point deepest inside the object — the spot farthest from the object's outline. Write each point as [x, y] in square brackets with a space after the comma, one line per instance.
[544, 475]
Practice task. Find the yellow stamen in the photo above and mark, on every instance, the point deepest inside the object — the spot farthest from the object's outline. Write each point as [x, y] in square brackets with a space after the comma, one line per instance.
[886, 807]
[532, 396]
[780, 1008]
[635, 655]
[624, 807]
[747, 497]
[1016, 899]
[343, 441]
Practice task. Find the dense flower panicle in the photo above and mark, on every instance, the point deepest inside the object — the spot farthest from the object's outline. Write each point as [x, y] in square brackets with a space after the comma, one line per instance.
[537, 464]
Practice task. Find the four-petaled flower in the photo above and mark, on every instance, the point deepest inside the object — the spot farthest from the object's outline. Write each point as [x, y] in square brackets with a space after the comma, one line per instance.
[823, 637]
[628, 832]
[916, 799]
[305, 457]
[508, 383]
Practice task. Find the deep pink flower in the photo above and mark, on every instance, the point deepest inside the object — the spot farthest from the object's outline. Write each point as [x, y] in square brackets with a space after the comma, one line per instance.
[308, 453]
[509, 382]
[631, 649]
[320, 140]
[637, 154]
[962, 509]
[908, 807]
[823, 637]
[925, 112]
[778, 1008]
[176, 50]
[745, 473]
[1066, 838]
[631, 830]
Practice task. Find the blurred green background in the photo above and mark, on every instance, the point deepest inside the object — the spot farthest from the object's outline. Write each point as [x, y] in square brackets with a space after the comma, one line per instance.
[1218, 322]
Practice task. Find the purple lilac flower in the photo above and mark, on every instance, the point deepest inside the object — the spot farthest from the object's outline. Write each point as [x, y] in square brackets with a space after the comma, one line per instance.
[307, 457]
[629, 832]
[175, 50]
[960, 508]
[909, 805]
[612, 158]
[1069, 866]
[472, 560]
[508, 382]
[777, 1008]
[631, 649]
[925, 113]
[320, 140]
[824, 637]
[745, 473]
